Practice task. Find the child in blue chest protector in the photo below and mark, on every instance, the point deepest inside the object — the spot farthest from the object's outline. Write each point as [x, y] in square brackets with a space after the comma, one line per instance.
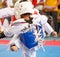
[28, 30]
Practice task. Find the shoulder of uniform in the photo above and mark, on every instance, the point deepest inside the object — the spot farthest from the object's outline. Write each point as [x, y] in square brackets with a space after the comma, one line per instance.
[18, 22]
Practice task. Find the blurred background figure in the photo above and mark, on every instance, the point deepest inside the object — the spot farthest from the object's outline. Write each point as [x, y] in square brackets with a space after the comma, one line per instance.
[7, 3]
[38, 4]
[51, 8]
[6, 14]
[3, 25]
[58, 17]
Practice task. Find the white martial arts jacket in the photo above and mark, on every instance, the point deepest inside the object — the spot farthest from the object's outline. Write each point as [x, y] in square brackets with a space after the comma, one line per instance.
[29, 32]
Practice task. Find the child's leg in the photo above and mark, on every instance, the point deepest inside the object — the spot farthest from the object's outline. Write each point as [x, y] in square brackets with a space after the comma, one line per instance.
[32, 55]
[29, 55]
[28, 52]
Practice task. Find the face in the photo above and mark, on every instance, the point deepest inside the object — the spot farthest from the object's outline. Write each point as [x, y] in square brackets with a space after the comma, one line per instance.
[26, 16]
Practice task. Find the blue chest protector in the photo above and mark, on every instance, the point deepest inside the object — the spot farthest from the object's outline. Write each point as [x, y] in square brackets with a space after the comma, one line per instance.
[28, 38]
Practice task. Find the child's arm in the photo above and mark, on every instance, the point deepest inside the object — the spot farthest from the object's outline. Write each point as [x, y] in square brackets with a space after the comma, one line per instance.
[15, 29]
[47, 27]
[50, 30]
[14, 44]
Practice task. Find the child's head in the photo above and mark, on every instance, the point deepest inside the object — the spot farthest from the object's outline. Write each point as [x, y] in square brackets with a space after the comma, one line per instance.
[23, 9]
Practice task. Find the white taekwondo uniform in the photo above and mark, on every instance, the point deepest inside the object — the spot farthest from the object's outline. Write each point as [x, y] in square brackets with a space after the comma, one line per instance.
[28, 34]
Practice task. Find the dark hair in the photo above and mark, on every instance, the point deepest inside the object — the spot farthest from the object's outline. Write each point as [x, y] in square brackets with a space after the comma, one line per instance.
[59, 6]
[22, 1]
[26, 14]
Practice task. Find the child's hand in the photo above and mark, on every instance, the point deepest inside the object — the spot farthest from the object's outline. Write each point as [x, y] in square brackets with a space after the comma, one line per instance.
[54, 33]
[14, 48]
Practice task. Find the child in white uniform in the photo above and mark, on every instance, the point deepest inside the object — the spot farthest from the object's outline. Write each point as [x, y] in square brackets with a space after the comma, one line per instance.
[8, 10]
[28, 30]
